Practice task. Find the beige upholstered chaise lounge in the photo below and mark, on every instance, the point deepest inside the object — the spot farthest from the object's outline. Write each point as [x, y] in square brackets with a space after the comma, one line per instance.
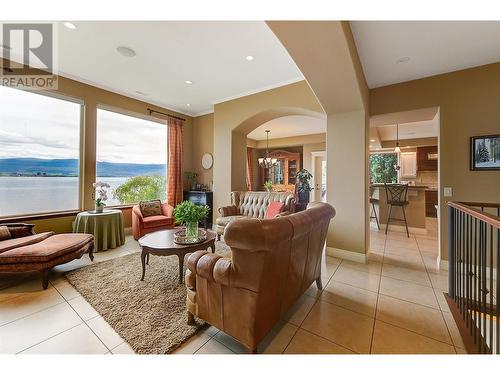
[245, 204]
[26, 251]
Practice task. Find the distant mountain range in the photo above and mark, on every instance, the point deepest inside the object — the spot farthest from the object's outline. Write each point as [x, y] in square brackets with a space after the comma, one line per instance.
[69, 167]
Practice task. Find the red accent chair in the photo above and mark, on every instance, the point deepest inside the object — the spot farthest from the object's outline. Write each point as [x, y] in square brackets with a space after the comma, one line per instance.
[144, 225]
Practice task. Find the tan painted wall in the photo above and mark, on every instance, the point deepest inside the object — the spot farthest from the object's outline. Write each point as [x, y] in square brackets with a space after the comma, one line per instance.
[326, 54]
[234, 119]
[203, 141]
[416, 142]
[288, 141]
[468, 102]
[92, 98]
[346, 180]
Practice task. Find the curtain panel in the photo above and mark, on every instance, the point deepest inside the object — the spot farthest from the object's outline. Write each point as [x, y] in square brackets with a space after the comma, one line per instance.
[250, 182]
[175, 155]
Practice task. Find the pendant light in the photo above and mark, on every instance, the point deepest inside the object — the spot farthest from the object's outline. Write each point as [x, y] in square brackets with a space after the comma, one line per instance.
[397, 149]
[267, 162]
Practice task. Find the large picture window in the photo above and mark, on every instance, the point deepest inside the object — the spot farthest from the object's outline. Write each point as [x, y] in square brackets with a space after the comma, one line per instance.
[39, 153]
[131, 157]
[383, 167]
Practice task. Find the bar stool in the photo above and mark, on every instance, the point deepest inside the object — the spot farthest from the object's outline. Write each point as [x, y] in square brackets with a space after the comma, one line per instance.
[396, 196]
[373, 212]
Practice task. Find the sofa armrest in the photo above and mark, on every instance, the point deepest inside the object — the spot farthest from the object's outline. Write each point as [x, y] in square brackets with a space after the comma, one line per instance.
[228, 211]
[20, 229]
[284, 213]
[167, 210]
[211, 267]
[136, 211]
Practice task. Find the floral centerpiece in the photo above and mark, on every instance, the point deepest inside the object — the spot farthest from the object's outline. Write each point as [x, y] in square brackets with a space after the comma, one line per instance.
[190, 214]
[100, 195]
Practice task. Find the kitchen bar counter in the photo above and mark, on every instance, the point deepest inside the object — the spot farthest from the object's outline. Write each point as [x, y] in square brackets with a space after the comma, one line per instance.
[415, 210]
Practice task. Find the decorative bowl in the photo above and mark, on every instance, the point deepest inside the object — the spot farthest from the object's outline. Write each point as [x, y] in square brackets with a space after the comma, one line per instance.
[180, 237]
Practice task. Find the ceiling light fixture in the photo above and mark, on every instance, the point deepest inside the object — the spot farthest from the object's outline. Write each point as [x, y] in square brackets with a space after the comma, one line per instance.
[249, 58]
[267, 162]
[372, 140]
[125, 51]
[69, 25]
[188, 105]
[397, 149]
[402, 60]
[188, 82]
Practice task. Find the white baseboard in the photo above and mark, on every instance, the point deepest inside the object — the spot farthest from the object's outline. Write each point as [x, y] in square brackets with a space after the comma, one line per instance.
[402, 229]
[346, 254]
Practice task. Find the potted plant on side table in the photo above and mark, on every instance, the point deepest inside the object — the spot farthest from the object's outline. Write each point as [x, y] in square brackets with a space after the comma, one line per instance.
[303, 187]
[190, 214]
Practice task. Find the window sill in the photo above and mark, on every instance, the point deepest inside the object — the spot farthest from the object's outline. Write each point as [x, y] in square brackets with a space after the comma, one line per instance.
[52, 215]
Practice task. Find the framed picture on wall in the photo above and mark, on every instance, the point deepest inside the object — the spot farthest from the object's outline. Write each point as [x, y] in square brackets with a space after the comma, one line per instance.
[485, 153]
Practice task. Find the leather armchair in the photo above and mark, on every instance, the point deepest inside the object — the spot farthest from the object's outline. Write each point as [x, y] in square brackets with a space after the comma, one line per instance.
[272, 263]
[143, 225]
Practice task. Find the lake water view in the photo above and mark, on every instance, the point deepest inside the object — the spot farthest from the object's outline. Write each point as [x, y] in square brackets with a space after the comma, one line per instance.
[26, 195]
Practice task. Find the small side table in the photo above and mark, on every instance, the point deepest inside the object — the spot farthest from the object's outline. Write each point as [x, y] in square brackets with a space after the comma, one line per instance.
[107, 228]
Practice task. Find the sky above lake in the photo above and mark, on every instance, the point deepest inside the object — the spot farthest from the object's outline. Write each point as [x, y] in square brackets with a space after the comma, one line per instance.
[38, 126]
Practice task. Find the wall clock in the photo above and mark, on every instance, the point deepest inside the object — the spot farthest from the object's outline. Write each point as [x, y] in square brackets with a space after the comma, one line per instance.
[207, 160]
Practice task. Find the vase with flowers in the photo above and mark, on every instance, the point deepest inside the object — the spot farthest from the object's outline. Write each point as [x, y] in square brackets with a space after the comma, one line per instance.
[100, 195]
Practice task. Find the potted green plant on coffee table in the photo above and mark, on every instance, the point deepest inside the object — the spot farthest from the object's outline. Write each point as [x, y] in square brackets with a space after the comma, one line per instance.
[189, 214]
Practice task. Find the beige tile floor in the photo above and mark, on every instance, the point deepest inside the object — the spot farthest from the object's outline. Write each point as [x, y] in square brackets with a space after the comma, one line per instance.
[392, 304]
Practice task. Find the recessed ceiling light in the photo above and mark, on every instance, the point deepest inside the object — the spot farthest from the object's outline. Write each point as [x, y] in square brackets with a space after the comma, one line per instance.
[249, 58]
[188, 105]
[126, 51]
[188, 82]
[69, 25]
[142, 93]
[402, 60]
[372, 140]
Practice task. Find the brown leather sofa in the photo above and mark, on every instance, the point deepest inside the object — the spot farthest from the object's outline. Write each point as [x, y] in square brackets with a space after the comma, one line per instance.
[246, 204]
[272, 263]
[26, 251]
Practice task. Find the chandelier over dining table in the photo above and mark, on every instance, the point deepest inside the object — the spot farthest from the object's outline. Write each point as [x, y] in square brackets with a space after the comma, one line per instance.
[267, 162]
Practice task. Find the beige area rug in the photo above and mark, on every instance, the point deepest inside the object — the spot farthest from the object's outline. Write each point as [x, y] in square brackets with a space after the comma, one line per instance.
[151, 314]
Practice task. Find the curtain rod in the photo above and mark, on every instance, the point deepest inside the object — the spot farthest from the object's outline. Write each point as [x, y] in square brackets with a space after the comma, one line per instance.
[151, 111]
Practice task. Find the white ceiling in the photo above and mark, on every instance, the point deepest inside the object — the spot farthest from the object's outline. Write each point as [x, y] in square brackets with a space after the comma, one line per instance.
[433, 47]
[409, 130]
[211, 54]
[289, 126]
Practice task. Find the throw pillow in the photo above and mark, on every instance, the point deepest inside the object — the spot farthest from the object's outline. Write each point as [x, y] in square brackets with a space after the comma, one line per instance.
[150, 208]
[4, 233]
[274, 209]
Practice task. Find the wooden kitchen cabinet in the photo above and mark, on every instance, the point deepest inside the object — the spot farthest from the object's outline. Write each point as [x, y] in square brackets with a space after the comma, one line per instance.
[408, 164]
[427, 158]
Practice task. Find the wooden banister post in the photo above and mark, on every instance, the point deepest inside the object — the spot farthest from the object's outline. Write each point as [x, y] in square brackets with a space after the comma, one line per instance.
[451, 252]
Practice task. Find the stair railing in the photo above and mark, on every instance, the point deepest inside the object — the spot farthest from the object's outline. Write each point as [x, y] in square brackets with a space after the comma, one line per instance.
[474, 273]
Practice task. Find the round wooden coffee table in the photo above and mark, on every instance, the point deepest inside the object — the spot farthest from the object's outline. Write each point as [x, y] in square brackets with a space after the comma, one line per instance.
[162, 243]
